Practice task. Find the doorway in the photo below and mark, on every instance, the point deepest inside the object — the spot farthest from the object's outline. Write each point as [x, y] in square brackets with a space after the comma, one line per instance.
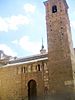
[32, 90]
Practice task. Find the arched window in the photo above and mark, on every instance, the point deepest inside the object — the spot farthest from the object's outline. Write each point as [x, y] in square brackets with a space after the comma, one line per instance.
[24, 69]
[54, 9]
[38, 67]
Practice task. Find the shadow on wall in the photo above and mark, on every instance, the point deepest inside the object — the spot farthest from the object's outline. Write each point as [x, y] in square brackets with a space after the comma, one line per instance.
[68, 96]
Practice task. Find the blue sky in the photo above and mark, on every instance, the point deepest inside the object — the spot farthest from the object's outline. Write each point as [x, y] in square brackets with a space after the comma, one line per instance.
[22, 26]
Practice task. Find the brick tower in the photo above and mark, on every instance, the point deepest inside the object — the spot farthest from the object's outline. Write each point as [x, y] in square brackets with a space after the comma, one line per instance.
[60, 49]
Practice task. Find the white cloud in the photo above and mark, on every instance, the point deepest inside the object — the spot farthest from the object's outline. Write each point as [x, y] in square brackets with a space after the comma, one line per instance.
[7, 50]
[3, 25]
[15, 42]
[73, 24]
[29, 8]
[28, 45]
[13, 22]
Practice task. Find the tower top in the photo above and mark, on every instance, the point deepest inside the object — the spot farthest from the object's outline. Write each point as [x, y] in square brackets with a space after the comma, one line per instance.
[42, 44]
[42, 51]
[58, 1]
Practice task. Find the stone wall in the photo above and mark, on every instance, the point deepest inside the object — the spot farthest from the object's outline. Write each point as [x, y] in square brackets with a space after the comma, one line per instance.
[14, 80]
[60, 49]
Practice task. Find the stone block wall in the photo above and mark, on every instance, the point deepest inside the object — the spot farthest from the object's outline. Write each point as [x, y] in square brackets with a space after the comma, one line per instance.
[14, 80]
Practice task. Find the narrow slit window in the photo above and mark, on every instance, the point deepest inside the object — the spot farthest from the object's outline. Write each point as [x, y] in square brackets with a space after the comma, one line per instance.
[54, 9]
[38, 67]
[24, 69]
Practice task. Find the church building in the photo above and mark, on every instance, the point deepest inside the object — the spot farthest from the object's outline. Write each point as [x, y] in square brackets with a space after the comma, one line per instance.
[48, 74]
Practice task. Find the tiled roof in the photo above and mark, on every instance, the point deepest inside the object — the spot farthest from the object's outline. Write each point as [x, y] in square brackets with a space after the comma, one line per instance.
[26, 59]
[26, 62]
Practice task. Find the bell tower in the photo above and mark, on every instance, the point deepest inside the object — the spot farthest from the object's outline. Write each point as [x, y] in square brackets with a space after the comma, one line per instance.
[60, 48]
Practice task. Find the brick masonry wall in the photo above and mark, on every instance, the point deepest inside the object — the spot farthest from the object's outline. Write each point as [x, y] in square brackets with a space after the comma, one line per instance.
[60, 47]
[14, 80]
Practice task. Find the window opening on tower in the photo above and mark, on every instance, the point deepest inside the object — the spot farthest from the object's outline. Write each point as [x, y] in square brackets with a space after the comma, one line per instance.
[54, 9]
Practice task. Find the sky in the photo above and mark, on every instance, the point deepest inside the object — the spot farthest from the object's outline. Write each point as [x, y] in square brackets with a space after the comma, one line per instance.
[23, 25]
